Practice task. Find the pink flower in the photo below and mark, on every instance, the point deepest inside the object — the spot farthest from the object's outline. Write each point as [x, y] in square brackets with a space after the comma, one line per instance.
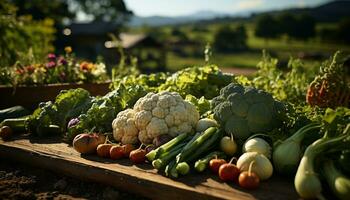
[51, 56]
[62, 61]
[50, 64]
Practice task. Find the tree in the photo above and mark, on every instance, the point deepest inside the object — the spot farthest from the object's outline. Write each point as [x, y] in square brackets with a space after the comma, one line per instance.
[41, 9]
[229, 39]
[104, 10]
[344, 30]
[266, 27]
[305, 27]
[176, 32]
[23, 39]
[287, 24]
[59, 10]
[300, 27]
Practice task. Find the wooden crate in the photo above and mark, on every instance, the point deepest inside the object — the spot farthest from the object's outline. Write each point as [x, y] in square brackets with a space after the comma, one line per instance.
[142, 179]
[30, 96]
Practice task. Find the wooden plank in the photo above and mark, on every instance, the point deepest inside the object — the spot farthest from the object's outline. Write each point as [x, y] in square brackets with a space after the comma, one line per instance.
[141, 179]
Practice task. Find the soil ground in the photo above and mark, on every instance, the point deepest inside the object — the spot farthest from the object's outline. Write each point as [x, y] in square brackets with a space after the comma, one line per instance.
[239, 71]
[18, 181]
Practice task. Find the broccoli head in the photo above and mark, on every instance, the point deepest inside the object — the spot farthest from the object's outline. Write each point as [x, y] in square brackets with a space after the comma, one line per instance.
[244, 111]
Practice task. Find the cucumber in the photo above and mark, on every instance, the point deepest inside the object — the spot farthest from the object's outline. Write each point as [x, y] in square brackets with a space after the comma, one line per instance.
[13, 112]
[17, 125]
[198, 143]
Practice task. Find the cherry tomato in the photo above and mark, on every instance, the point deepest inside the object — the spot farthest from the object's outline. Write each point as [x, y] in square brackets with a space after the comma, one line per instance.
[248, 180]
[214, 164]
[228, 172]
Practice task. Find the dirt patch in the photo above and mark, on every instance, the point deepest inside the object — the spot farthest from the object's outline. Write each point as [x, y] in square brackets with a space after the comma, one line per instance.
[239, 71]
[18, 181]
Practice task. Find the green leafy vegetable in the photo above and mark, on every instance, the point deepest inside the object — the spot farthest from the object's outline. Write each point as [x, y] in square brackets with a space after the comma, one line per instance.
[202, 104]
[104, 109]
[288, 86]
[52, 116]
[243, 111]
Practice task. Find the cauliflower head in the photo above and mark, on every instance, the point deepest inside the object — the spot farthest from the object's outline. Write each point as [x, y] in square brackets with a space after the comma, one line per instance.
[124, 128]
[243, 111]
[153, 115]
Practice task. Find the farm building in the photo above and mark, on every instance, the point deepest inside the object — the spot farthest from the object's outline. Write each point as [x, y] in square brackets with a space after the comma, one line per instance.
[90, 40]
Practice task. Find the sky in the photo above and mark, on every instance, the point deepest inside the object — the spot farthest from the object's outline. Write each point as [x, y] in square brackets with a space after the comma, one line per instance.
[185, 7]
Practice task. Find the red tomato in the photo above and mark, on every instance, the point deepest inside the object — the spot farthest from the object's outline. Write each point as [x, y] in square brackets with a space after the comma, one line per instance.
[248, 180]
[228, 172]
[214, 164]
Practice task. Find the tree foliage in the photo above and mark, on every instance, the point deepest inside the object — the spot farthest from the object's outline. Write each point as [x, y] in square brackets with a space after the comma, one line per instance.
[23, 35]
[104, 10]
[59, 10]
[229, 39]
[344, 30]
[267, 27]
[300, 27]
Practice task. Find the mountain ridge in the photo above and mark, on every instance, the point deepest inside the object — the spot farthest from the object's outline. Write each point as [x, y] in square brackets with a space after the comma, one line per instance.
[329, 12]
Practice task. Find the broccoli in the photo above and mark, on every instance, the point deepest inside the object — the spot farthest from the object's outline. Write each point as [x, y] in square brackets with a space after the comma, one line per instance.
[243, 111]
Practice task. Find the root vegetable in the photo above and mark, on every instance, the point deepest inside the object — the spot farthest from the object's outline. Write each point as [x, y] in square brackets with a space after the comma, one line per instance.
[215, 164]
[103, 150]
[249, 179]
[86, 143]
[116, 152]
[228, 172]
[6, 132]
[138, 156]
[228, 145]
[127, 149]
[262, 167]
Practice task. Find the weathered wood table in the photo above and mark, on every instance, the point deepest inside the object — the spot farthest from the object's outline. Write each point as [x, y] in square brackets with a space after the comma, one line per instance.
[52, 154]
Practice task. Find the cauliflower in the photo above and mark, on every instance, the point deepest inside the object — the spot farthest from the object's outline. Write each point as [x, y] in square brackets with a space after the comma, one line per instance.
[154, 115]
[124, 128]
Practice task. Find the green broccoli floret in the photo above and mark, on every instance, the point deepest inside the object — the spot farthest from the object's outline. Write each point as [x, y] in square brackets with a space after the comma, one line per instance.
[244, 111]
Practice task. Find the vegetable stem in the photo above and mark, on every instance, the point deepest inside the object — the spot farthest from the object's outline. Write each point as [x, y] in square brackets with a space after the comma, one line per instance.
[165, 147]
[196, 144]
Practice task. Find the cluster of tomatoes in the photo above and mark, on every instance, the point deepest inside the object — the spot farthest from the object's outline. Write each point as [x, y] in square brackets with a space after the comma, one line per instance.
[229, 172]
[116, 152]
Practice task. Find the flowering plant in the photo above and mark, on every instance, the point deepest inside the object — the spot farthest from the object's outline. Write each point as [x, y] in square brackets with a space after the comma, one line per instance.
[56, 69]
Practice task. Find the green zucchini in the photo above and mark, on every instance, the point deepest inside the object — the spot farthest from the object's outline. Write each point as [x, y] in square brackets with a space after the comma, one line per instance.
[13, 112]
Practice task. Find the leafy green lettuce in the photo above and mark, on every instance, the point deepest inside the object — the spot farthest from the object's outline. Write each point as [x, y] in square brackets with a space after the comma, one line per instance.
[100, 115]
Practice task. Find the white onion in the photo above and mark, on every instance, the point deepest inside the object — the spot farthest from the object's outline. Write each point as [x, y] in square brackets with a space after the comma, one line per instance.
[258, 145]
[262, 165]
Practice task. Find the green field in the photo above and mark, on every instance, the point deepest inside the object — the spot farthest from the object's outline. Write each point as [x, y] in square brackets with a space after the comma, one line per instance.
[281, 48]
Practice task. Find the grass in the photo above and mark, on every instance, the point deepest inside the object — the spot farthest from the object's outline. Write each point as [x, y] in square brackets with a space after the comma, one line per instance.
[282, 48]
[239, 60]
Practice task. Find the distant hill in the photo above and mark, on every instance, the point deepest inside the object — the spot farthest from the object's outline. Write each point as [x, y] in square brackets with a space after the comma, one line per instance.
[162, 20]
[329, 12]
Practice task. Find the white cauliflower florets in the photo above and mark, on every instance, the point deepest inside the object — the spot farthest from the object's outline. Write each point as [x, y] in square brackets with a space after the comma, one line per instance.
[124, 128]
[154, 115]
